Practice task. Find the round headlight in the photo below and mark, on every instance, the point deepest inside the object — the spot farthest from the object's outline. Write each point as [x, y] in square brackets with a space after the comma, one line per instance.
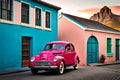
[32, 59]
[55, 59]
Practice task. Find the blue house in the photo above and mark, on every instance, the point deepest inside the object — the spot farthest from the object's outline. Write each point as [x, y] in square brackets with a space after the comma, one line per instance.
[25, 27]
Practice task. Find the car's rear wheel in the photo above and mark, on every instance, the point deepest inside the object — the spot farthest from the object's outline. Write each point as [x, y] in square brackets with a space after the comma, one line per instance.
[61, 68]
[34, 71]
[76, 64]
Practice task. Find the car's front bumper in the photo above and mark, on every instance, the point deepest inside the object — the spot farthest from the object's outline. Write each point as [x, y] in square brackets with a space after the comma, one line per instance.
[44, 67]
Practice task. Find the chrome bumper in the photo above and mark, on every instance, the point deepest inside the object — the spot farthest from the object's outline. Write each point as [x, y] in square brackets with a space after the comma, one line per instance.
[44, 67]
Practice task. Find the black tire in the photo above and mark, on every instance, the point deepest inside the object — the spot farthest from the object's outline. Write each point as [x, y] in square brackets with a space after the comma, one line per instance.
[61, 68]
[34, 71]
[76, 64]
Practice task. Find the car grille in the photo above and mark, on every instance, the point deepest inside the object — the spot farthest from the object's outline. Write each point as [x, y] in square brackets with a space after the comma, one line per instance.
[43, 63]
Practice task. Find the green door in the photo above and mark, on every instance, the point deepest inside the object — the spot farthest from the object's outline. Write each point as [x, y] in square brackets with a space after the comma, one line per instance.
[92, 50]
[117, 49]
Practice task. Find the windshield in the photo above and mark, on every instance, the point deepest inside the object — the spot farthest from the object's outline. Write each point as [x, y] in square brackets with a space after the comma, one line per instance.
[54, 47]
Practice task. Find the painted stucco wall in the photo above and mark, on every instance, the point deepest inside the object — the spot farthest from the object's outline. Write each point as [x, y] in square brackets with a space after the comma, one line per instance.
[102, 43]
[11, 43]
[69, 31]
[11, 33]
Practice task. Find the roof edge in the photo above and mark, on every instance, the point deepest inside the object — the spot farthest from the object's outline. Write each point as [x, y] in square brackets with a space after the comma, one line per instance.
[84, 28]
[70, 19]
[47, 4]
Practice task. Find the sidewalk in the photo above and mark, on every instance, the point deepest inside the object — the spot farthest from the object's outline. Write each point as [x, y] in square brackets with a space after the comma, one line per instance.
[2, 72]
[105, 64]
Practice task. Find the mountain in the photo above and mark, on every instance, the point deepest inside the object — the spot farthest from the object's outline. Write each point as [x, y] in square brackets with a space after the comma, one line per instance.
[106, 17]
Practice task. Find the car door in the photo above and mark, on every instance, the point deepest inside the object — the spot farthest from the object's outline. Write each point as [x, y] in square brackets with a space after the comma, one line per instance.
[72, 53]
[68, 54]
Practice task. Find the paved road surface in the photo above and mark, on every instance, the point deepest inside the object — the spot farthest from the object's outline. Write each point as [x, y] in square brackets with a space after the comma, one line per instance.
[83, 73]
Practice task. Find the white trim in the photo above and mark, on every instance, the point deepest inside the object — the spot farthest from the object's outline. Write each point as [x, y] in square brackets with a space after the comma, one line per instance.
[25, 2]
[117, 38]
[75, 23]
[39, 27]
[109, 37]
[6, 21]
[49, 29]
[25, 24]
[38, 7]
[96, 30]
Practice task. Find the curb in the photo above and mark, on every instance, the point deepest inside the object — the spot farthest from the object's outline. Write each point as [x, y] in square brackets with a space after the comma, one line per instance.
[104, 64]
[3, 72]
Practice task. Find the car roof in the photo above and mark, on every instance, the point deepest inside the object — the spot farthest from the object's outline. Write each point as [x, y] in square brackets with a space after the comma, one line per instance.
[59, 42]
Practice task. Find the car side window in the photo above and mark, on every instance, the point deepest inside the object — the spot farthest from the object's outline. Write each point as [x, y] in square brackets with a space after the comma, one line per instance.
[72, 47]
[67, 48]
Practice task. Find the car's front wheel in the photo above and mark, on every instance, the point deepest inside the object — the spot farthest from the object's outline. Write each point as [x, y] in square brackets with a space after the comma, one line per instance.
[61, 68]
[34, 71]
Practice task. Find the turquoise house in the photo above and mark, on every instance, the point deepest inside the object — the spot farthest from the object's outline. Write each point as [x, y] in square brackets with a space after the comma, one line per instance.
[25, 27]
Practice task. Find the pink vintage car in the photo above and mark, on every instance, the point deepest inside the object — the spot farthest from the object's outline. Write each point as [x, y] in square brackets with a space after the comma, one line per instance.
[57, 55]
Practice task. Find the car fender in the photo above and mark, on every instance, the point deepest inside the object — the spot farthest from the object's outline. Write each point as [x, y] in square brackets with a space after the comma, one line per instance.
[36, 58]
[75, 58]
[60, 58]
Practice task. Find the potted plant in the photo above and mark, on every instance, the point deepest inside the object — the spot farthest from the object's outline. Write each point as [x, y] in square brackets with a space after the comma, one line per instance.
[102, 58]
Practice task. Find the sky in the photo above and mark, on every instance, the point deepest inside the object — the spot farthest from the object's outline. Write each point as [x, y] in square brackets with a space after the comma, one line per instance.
[83, 8]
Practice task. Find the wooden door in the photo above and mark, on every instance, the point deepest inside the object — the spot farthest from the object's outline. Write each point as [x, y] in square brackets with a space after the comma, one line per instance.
[25, 51]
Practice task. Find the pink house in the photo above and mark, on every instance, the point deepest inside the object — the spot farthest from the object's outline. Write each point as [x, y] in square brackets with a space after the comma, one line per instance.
[90, 38]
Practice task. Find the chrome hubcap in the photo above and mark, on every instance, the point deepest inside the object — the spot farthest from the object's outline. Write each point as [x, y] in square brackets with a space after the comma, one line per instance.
[61, 67]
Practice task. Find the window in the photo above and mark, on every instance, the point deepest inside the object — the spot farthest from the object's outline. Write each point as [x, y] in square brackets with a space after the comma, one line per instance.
[117, 41]
[67, 48]
[72, 47]
[5, 9]
[54, 47]
[38, 17]
[109, 46]
[25, 13]
[47, 19]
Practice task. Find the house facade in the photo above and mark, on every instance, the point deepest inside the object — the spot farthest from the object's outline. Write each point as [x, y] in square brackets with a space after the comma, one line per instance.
[90, 38]
[25, 27]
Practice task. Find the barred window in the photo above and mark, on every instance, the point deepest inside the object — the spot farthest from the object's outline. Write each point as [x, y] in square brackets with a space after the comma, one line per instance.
[6, 9]
[25, 13]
